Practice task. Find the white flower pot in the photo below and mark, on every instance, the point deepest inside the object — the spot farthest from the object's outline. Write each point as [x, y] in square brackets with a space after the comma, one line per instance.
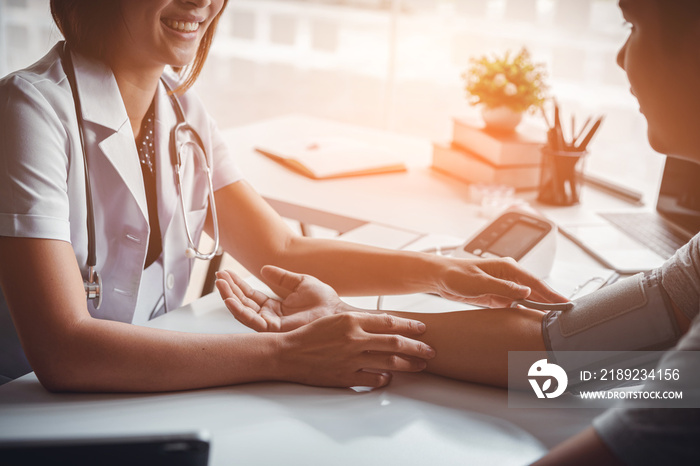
[502, 119]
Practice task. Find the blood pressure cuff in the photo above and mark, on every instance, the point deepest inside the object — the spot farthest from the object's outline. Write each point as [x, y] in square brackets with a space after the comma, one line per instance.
[631, 315]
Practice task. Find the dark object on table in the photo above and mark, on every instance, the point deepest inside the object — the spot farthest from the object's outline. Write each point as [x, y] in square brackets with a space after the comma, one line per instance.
[562, 160]
[561, 177]
[191, 449]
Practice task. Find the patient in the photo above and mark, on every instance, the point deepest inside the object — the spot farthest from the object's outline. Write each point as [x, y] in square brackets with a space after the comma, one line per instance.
[662, 60]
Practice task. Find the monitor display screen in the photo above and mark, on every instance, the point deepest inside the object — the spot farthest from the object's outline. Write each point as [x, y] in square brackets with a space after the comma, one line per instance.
[516, 241]
[679, 194]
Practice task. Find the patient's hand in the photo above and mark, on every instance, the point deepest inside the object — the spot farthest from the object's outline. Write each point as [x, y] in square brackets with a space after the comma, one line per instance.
[309, 299]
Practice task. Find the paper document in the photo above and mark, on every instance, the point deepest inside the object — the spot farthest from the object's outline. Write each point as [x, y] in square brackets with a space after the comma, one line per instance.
[324, 158]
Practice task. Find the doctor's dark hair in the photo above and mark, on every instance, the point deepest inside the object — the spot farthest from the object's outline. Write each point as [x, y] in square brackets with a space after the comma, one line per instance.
[87, 25]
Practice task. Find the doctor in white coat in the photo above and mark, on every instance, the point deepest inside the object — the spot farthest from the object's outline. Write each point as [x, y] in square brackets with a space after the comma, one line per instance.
[118, 50]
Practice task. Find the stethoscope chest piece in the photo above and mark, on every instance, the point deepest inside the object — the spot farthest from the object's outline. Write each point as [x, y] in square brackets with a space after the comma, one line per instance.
[93, 287]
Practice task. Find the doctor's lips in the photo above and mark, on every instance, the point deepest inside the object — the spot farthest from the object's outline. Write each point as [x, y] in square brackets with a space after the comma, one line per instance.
[181, 26]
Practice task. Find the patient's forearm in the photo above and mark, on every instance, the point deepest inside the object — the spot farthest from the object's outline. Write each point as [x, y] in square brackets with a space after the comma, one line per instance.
[473, 345]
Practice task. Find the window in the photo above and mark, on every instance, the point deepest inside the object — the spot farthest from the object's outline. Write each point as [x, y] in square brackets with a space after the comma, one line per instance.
[396, 64]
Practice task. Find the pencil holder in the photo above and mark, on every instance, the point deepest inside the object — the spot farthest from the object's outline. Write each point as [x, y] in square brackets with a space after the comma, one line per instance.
[561, 177]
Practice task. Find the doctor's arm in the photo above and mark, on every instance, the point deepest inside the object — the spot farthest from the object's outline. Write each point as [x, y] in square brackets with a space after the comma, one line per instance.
[255, 235]
[71, 351]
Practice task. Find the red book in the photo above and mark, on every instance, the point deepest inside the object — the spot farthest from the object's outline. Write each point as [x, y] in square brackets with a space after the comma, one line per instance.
[521, 147]
[461, 164]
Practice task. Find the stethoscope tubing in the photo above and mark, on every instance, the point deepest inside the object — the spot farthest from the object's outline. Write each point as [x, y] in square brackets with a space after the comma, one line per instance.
[176, 160]
[93, 284]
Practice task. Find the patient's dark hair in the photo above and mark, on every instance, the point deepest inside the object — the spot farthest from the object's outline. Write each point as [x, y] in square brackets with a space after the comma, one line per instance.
[87, 26]
[678, 17]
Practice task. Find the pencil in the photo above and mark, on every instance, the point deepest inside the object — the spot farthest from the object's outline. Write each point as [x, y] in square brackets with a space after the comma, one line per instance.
[557, 127]
[589, 136]
[583, 128]
[546, 119]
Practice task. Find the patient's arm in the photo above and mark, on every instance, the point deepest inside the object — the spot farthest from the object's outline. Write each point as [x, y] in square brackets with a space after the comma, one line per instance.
[470, 345]
[473, 345]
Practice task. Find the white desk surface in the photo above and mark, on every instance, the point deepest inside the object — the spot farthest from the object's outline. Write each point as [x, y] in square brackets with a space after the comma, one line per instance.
[420, 199]
[419, 418]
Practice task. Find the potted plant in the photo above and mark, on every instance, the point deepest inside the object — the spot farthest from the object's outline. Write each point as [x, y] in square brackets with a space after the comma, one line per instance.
[505, 87]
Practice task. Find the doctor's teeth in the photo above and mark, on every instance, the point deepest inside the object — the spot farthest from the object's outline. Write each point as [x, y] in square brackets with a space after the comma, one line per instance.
[183, 26]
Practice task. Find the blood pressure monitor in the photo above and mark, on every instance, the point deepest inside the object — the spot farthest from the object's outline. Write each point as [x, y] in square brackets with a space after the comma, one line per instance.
[526, 237]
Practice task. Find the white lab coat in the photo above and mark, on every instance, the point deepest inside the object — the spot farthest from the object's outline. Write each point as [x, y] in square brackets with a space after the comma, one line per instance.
[42, 193]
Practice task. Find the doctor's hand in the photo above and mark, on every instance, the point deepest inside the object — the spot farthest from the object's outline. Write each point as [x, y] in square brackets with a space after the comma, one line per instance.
[491, 283]
[324, 342]
[352, 349]
[309, 299]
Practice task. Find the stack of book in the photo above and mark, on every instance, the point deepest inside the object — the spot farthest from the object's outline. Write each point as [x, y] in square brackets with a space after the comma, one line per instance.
[479, 156]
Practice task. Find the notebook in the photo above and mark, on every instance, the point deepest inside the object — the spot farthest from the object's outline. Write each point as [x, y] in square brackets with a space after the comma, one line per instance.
[631, 242]
[328, 158]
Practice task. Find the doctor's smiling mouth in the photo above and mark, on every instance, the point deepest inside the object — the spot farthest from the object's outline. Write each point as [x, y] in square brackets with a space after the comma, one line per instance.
[184, 28]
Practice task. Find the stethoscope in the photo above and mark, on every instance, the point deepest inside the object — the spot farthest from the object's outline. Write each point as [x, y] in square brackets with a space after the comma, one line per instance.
[93, 283]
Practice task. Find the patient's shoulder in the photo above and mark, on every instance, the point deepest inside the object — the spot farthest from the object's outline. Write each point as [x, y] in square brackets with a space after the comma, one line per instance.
[681, 278]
